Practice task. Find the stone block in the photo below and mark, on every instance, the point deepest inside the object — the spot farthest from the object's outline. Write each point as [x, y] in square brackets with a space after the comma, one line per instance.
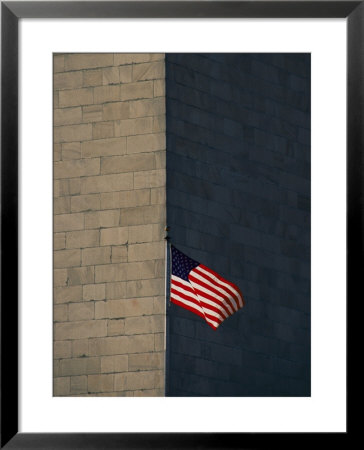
[60, 313]
[100, 383]
[80, 61]
[125, 74]
[149, 107]
[103, 147]
[146, 361]
[81, 311]
[146, 143]
[68, 222]
[115, 327]
[80, 366]
[102, 219]
[71, 80]
[96, 256]
[119, 254]
[71, 133]
[62, 205]
[107, 183]
[92, 78]
[79, 384]
[62, 349]
[76, 168]
[132, 91]
[58, 63]
[61, 386]
[111, 364]
[75, 97]
[148, 71]
[159, 88]
[110, 75]
[105, 94]
[114, 236]
[143, 215]
[67, 116]
[71, 150]
[144, 325]
[116, 290]
[103, 130]
[116, 309]
[80, 348]
[125, 199]
[128, 163]
[149, 179]
[140, 270]
[146, 251]
[92, 113]
[115, 111]
[93, 292]
[80, 330]
[85, 202]
[110, 272]
[66, 258]
[82, 239]
[80, 275]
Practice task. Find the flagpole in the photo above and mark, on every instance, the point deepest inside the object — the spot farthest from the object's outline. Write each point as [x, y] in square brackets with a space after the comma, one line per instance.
[166, 307]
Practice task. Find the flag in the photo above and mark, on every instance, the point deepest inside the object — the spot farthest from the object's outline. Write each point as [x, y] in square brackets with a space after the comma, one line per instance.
[202, 291]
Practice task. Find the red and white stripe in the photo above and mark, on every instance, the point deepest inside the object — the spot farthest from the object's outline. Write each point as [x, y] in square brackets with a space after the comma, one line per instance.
[207, 294]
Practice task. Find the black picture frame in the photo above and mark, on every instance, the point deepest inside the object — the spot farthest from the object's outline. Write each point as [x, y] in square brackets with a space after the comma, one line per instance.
[11, 12]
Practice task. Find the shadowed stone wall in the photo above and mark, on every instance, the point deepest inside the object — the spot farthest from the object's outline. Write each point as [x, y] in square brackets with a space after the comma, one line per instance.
[238, 201]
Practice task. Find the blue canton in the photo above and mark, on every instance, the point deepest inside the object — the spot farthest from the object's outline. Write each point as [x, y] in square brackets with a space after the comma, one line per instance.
[182, 264]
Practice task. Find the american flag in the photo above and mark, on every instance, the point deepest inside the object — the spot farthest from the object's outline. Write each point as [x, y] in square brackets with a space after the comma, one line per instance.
[202, 291]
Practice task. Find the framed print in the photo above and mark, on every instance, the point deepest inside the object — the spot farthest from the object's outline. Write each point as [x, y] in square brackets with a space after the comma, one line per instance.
[185, 252]
[121, 177]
